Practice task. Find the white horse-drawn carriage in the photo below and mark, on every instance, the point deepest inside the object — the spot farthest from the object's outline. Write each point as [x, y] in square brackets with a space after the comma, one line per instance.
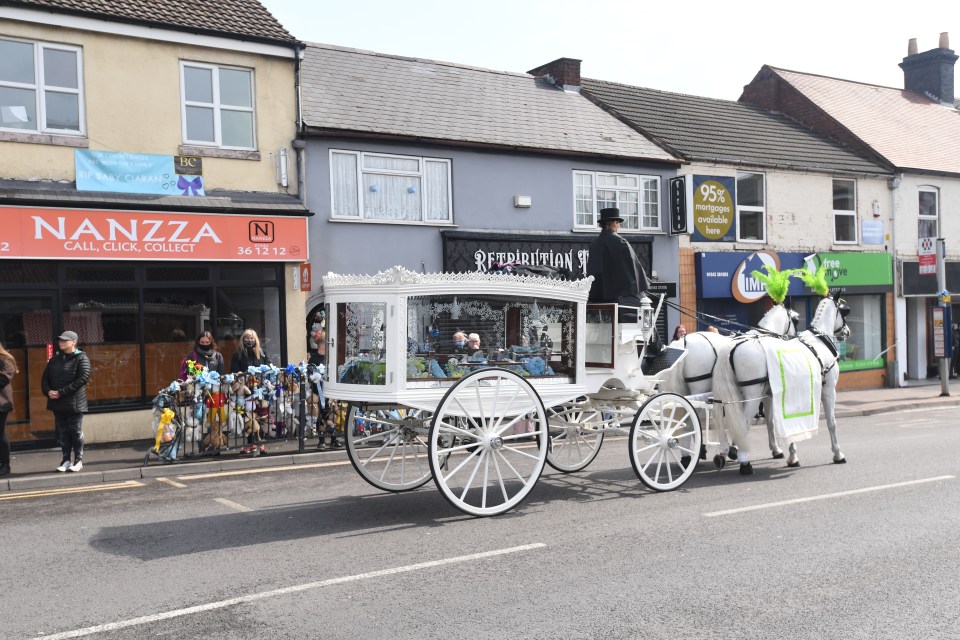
[483, 425]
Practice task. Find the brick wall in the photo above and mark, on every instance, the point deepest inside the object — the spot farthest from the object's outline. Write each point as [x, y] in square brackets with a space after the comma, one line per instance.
[688, 288]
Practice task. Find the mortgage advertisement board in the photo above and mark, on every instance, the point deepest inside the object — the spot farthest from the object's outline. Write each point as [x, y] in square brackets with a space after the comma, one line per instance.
[714, 209]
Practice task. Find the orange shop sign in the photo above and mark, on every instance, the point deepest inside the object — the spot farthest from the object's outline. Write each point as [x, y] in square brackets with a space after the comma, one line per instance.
[135, 235]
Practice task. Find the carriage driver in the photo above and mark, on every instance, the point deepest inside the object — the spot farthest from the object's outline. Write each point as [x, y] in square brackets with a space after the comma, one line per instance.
[617, 273]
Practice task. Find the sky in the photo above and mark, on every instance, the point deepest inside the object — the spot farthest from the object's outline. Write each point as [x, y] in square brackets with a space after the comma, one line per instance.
[695, 47]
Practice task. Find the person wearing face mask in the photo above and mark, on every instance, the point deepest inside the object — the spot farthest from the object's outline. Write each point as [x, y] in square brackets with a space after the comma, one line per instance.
[460, 343]
[205, 353]
[249, 353]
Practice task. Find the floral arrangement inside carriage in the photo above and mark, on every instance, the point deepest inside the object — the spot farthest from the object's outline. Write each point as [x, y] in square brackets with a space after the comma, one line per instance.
[445, 337]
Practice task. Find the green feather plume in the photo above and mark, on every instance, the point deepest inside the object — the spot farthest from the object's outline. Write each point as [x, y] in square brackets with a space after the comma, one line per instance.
[776, 282]
[816, 281]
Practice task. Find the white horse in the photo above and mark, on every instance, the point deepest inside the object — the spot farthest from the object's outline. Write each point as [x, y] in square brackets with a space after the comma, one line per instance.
[741, 379]
[695, 375]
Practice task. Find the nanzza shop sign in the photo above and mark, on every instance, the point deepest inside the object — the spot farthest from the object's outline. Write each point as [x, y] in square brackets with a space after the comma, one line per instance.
[135, 235]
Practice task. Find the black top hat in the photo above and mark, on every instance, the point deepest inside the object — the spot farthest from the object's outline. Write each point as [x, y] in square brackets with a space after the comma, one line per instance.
[609, 215]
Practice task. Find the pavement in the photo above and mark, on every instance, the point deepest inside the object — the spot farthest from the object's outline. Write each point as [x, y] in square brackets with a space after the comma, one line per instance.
[106, 463]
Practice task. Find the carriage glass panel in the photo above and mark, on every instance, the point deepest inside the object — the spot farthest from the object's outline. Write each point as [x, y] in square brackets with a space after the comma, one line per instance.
[361, 343]
[533, 337]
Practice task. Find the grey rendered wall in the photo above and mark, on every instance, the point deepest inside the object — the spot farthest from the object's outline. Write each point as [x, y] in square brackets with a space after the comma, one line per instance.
[483, 186]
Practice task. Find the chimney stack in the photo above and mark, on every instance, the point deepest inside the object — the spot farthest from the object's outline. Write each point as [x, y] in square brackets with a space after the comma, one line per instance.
[563, 72]
[930, 72]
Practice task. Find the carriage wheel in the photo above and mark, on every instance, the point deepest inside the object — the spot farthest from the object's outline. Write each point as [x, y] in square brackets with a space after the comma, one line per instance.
[391, 452]
[480, 451]
[665, 441]
[576, 434]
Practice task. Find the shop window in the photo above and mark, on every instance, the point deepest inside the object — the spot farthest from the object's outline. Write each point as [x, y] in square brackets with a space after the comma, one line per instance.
[172, 320]
[863, 348]
[28, 272]
[751, 208]
[178, 273]
[637, 197]
[107, 322]
[100, 273]
[217, 106]
[41, 87]
[928, 213]
[845, 211]
[250, 308]
[374, 186]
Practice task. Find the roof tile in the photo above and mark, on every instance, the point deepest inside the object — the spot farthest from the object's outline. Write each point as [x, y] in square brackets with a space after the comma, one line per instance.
[363, 91]
[244, 18]
[708, 129]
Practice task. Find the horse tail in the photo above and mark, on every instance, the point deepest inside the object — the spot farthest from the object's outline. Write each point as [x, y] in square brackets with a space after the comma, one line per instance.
[674, 381]
[727, 390]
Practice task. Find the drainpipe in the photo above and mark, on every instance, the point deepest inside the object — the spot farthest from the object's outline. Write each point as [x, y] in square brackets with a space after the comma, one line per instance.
[299, 144]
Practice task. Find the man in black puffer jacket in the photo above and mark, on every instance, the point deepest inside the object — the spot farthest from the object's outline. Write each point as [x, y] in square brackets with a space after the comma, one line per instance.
[64, 382]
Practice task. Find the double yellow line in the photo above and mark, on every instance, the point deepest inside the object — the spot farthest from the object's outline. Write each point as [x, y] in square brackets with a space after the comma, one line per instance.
[128, 484]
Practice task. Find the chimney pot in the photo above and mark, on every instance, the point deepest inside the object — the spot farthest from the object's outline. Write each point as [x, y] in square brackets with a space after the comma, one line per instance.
[912, 47]
[944, 40]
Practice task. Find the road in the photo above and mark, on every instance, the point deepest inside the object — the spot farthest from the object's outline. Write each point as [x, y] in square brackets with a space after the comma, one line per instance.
[868, 549]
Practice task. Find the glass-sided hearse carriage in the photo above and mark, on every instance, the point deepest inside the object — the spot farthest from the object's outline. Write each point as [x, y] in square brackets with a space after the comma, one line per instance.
[550, 376]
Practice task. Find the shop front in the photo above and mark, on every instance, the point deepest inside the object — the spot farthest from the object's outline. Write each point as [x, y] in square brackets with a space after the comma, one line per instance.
[919, 287]
[138, 287]
[730, 299]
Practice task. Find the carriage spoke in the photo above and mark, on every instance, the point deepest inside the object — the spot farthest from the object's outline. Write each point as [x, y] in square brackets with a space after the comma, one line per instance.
[512, 468]
[473, 474]
[467, 414]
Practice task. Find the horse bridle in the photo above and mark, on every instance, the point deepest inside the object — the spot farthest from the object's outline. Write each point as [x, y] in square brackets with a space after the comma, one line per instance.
[843, 310]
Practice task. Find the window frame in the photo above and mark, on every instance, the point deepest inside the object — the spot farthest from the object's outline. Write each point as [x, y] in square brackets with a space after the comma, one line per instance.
[643, 180]
[39, 87]
[217, 106]
[852, 213]
[762, 209]
[358, 164]
[935, 218]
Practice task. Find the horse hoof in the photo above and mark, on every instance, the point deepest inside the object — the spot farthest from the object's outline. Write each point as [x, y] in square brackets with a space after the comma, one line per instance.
[793, 465]
[778, 455]
[703, 452]
[746, 469]
[685, 461]
[719, 461]
[732, 453]
[840, 461]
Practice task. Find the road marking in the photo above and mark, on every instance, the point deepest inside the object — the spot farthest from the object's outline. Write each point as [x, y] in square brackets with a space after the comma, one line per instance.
[129, 484]
[172, 483]
[241, 472]
[825, 496]
[253, 597]
[233, 505]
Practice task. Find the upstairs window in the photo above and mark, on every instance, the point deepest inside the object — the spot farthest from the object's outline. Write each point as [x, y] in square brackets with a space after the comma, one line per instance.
[217, 106]
[637, 197]
[928, 213]
[751, 208]
[41, 87]
[844, 211]
[377, 186]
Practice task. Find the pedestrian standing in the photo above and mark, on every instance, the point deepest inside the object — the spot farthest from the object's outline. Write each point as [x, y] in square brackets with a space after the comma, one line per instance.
[955, 361]
[249, 353]
[8, 369]
[64, 382]
[204, 353]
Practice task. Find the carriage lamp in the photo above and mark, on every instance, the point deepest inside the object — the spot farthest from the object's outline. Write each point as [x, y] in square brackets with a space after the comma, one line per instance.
[646, 314]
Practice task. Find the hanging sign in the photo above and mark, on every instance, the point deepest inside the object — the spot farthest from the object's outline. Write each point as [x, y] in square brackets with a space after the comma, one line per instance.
[927, 249]
[147, 173]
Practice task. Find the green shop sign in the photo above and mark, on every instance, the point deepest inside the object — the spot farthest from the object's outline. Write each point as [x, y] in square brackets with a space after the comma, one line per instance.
[852, 271]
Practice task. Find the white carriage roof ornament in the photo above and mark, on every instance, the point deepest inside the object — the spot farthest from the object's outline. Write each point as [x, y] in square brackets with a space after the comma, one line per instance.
[399, 275]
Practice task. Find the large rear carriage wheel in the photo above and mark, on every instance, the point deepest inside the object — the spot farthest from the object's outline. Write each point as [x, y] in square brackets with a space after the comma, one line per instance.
[665, 441]
[481, 454]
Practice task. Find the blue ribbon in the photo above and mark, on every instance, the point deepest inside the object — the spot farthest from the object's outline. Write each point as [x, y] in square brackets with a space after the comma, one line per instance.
[190, 187]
